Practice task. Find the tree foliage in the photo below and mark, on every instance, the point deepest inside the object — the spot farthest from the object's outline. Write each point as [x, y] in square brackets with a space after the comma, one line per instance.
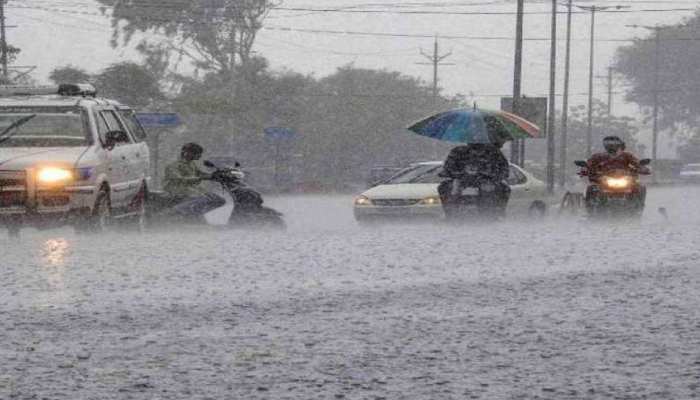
[678, 74]
[217, 35]
[69, 74]
[131, 83]
[346, 122]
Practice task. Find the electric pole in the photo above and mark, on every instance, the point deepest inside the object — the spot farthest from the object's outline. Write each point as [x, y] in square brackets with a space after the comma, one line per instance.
[552, 99]
[589, 131]
[609, 79]
[3, 42]
[516, 155]
[657, 47]
[436, 61]
[565, 103]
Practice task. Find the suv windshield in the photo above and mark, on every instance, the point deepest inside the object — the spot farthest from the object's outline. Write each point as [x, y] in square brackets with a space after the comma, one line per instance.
[44, 127]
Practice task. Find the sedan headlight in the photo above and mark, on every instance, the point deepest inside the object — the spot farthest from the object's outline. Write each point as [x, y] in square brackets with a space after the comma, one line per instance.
[363, 201]
[54, 175]
[430, 201]
[617, 183]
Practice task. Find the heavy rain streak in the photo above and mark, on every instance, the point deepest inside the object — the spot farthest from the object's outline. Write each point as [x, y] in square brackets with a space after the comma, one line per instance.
[287, 199]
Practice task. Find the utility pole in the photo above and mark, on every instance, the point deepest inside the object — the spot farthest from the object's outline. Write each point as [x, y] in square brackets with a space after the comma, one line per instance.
[565, 104]
[435, 60]
[657, 47]
[552, 99]
[3, 42]
[609, 79]
[610, 91]
[589, 131]
[516, 155]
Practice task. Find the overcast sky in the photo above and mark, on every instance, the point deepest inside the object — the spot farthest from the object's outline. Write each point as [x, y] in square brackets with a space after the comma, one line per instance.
[58, 32]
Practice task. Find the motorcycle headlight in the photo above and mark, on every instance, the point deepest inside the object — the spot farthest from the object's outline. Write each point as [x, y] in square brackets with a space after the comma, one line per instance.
[363, 201]
[430, 201]
[54, 175]
[617, 183]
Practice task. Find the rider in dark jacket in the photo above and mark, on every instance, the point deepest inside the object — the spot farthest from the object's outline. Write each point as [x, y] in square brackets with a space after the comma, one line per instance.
[488, 161]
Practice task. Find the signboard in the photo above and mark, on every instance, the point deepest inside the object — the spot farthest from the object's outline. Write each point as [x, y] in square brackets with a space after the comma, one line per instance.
[158, 120]
[533, 109]
[279, 133]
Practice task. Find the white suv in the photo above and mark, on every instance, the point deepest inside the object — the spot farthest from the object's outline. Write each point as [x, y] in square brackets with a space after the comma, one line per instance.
[68, 157]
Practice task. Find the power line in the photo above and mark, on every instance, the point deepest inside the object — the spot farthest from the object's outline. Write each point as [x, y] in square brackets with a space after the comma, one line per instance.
[449, 37]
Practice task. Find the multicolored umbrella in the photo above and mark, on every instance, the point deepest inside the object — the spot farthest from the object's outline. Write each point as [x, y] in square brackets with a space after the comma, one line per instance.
[475, 126]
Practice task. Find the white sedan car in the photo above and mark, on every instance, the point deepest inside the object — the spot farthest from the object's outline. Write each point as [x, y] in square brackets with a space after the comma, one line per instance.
[413, 192]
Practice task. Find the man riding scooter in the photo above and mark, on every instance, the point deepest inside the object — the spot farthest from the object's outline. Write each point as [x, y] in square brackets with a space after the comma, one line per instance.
[614, 171]
[478, 167]
[182, 184]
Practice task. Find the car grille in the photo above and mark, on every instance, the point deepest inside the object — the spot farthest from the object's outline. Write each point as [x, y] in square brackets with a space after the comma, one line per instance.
[13, 189]
[394, 202]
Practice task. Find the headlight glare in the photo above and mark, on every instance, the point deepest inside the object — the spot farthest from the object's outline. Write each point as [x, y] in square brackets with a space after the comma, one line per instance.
[431, 201]
[363, 201]
[617, 183]
[54, 175]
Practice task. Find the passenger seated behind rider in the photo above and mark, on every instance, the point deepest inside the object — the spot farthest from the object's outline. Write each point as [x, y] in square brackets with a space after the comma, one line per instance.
[183, 183]
[615, 157]
[485, 158]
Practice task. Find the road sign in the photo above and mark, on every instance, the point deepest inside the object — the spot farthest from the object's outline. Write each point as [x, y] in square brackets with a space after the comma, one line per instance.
[279, 133]
[158, 120]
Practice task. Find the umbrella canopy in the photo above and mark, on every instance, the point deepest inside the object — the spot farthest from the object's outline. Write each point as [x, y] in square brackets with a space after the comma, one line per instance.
[475, 126]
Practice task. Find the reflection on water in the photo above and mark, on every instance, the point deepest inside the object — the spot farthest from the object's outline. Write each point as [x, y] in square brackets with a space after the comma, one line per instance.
[54, 256]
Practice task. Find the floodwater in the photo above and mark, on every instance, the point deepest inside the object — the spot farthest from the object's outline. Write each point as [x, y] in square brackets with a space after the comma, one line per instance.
[553, 309]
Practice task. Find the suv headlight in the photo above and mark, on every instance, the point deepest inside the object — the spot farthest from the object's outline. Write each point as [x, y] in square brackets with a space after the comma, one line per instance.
[54, 175]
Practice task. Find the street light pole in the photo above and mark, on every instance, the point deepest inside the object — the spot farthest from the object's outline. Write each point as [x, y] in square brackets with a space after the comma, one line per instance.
[565, 103]
[655, 131]
[589, 130]
[515, 154]
[657, 47]
[552, 99]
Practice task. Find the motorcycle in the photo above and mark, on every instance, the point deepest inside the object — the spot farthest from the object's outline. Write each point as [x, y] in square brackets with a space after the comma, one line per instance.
[248, 209]
[472, 193]
[618, 192]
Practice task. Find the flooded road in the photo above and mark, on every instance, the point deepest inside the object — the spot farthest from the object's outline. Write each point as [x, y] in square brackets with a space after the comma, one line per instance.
[554, 309]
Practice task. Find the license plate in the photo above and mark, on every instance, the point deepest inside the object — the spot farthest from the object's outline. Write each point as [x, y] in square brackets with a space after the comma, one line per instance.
[470, 191]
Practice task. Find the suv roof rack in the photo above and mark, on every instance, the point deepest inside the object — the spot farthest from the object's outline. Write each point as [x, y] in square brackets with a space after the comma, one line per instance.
[63, 89]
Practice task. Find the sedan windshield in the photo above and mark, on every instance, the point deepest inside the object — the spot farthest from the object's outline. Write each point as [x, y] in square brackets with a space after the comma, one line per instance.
[49, 128]
[414, 174]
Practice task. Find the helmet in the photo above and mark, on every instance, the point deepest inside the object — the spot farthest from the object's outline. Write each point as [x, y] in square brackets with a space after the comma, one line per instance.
[191, 151]
[613, 144]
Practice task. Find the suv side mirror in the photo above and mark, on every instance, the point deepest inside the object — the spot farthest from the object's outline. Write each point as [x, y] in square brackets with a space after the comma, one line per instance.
[580, 163]
[112, 138]
[644, 162]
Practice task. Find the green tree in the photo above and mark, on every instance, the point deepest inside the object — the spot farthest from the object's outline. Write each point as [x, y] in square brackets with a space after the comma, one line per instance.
[678, 74]
[217, 35]
[129, 83]
[69, 74]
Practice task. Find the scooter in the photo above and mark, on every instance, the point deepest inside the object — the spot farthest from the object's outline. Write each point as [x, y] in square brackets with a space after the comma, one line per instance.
[248, 209]
[472, 194]
[616, 193]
